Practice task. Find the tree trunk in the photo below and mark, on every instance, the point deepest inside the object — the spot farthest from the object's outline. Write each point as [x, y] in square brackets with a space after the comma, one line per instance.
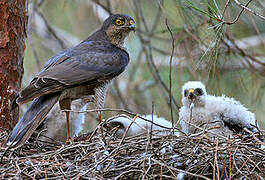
[13, 22]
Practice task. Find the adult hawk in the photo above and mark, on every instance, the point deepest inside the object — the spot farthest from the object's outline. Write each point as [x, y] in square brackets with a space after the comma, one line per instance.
[85, 69]
[221, 115]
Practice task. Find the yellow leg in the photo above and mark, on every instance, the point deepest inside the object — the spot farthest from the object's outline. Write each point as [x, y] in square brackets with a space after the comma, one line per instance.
[65, 104]
[69, 138]
[100, 117]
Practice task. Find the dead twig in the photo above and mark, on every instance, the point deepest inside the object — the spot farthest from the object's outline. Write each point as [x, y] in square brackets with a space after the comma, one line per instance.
[238, 16]
[170, 72]
[249, 10]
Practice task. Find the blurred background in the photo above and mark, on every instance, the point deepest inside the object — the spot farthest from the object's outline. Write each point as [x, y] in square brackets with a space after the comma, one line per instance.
[176, 41]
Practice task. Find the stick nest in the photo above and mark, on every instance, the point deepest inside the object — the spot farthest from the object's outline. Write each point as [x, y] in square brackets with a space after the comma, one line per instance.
[150, 156]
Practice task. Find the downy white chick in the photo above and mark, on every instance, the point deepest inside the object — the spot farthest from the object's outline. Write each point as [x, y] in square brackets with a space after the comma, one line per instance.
[139, 126]
[218, 114]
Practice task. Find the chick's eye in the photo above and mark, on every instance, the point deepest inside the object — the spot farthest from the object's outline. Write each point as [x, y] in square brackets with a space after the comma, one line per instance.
[131, 22]
[119, 22]
[199, 91]
[185, 93]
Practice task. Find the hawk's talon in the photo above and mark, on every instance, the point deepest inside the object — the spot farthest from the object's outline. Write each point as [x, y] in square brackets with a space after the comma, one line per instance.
[69, 140]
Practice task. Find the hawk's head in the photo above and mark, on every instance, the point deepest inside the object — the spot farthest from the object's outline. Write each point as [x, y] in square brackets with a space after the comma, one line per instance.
[118, 27]
[193, 92]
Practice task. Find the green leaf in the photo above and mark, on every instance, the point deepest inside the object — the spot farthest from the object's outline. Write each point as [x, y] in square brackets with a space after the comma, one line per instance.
[213, 9]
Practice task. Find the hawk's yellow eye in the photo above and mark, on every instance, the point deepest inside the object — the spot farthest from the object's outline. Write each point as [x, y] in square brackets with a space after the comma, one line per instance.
[119, 22]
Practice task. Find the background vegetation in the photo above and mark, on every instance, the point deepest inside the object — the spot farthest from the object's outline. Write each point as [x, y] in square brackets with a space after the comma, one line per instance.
[176, 41]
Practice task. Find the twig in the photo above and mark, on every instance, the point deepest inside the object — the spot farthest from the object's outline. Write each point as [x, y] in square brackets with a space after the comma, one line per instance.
[51, 30]
[106, 8]
[127, 129]
[190, 119]
[243, 52]
[216, 161]
[237, 18]
[117, 110]
[151, 128]
[35, 54]
[253, 135]
[250, 10]
[170, 73]
[148, 50]
[179, 170]
[225, 8]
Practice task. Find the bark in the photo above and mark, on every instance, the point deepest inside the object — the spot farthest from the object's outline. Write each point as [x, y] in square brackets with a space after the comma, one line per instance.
[13, 22]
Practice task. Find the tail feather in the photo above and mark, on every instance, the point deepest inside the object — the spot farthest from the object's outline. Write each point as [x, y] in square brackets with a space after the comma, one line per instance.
[35, 114]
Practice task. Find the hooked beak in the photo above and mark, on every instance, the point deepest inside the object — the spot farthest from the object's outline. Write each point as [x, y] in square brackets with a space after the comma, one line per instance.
[132, 27]
[191, 94]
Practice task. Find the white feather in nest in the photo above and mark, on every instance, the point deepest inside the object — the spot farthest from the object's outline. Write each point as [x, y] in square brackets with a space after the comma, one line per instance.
[222, 115]
[55, 123]
[139, 126]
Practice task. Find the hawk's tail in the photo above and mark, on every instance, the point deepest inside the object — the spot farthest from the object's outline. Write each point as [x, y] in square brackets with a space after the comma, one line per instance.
[35, 114]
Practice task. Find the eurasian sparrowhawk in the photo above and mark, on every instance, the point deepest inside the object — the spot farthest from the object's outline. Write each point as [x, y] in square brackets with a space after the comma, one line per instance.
[85, 69]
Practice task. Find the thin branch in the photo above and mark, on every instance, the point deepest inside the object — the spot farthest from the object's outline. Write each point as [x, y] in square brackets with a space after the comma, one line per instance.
[148, 51]
[127, 129]
[51, 30]
[241, 51]
[170, 72]
[253, 135]
[249, 10]
[238, 16]
[225, 8]
[151, 129]
[179, 170]
[106, 8]
[120, 111]
[216, 161]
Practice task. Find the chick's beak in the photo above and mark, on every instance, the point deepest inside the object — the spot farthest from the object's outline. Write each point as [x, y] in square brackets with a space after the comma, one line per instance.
[132, 26]
[191, 94]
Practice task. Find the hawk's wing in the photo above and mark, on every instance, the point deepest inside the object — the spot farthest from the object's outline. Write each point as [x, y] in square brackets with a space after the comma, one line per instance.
[88, 62]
